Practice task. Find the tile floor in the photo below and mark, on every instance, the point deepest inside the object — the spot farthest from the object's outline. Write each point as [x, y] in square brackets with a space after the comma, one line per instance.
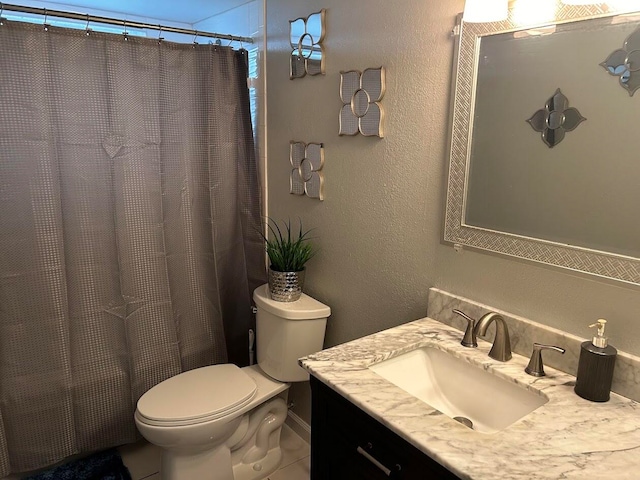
[143, 459]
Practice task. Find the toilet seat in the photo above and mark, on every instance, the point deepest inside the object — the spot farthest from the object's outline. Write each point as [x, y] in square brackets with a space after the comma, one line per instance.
[197, 396]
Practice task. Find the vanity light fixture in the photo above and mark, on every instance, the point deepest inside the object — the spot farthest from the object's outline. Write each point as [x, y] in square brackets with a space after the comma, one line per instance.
[624, 5]
[534, 12]
[480, 11]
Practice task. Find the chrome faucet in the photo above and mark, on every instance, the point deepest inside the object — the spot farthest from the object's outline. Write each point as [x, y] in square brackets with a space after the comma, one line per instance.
[501, 349]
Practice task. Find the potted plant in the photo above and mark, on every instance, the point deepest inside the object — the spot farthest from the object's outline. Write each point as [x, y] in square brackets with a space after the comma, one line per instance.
[287, 255]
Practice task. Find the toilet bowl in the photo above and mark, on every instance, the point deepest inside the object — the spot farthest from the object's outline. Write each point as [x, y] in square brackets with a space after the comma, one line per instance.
[223, 422]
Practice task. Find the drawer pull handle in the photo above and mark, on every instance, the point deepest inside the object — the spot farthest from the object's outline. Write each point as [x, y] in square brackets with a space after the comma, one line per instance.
[369, 457]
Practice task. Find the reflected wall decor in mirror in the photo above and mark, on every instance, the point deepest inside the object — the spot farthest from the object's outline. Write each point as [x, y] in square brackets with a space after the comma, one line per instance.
[624, 63]
[307, 53]
[555, 119]
[572, 206]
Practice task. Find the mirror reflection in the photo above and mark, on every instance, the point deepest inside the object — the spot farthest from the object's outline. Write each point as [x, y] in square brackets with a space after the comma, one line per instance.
[555, 119]
[307, 54]
[624, 63]
[531, 177]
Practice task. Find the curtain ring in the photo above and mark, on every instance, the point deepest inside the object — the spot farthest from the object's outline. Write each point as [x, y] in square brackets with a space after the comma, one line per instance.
[45, 24]
[125, 34]
[160, 37]
[195, 40]
[1, 17]
[87, 30]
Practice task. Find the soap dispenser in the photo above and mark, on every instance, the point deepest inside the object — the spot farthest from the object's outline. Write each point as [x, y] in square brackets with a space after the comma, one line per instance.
[595, 367]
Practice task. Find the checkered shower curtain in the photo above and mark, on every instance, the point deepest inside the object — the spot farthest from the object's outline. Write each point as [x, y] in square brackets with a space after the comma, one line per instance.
[129, 219]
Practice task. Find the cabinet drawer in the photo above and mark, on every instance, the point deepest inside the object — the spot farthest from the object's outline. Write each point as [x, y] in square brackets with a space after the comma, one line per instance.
[348, 444]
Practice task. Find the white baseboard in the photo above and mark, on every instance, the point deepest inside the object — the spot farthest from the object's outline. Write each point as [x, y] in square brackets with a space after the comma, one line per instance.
[298, 425]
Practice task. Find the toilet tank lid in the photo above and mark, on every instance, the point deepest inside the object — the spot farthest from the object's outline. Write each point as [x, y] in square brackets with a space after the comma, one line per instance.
[305, 308]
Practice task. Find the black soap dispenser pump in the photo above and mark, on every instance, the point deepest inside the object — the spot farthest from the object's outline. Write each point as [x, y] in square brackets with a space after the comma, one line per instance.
[595, 367]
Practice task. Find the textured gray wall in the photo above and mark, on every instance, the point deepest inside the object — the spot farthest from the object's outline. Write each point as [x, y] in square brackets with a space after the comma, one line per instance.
[379, 227]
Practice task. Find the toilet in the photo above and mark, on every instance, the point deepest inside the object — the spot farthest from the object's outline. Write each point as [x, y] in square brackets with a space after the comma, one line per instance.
[223, 422]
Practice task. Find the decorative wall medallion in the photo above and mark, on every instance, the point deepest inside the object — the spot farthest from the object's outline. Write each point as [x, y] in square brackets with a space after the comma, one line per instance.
[307, 54]
[624, 63]
[555, 119]
[360, 94]
[307, 161]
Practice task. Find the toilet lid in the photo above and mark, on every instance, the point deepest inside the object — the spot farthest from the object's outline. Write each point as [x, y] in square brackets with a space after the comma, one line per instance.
[198, 395]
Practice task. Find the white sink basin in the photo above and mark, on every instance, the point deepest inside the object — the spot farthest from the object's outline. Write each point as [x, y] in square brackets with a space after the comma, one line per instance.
[459, 389]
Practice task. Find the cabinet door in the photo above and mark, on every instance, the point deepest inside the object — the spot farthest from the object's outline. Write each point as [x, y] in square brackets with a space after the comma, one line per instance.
[347, 444]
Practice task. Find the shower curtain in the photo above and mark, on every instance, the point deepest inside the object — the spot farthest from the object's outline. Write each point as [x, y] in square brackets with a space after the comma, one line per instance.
[129, 230]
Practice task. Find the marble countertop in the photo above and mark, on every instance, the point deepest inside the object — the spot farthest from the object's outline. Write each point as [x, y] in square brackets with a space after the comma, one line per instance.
[568, 437]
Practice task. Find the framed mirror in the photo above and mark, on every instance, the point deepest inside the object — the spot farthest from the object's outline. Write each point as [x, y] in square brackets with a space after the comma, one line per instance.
[543, 161]
[306, 35]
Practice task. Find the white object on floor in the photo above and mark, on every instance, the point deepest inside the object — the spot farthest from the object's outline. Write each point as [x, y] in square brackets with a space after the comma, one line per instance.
[223, 422]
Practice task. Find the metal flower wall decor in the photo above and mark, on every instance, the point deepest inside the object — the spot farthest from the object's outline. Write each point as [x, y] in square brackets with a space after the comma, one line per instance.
[360, 94]
[624, 63]
[307, 53]
[555, 119]
[307, 161]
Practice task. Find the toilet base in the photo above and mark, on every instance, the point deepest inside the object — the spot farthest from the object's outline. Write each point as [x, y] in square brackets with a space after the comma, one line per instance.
[259, 457]
[212, 464]
[260, 469]
[209, 466]
[252, 452]
[243, 447]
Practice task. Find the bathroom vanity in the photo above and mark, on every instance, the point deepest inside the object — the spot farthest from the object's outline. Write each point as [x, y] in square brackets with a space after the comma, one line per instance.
[349, 444]
[365, 427]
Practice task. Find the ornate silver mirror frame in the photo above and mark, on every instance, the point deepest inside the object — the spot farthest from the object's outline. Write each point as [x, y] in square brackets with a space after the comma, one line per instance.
[601, 264]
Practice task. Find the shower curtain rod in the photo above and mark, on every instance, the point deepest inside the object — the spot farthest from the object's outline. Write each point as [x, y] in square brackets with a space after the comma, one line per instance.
[121, 23]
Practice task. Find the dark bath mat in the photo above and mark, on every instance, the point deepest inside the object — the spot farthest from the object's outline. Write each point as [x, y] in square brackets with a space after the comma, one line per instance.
[105, 465]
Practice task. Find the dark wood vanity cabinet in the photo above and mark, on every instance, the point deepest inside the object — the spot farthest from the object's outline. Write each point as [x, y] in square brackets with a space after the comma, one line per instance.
[348, 444]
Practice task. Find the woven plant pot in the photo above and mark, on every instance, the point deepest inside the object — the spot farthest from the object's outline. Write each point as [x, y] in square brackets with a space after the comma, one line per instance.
[285, 286]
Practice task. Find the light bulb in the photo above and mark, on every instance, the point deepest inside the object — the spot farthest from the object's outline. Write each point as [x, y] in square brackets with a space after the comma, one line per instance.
[480, 11]
[534, 12]
[624, 5]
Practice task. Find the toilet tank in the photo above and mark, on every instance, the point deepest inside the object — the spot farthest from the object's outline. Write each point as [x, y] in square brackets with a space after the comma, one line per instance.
[286, 331]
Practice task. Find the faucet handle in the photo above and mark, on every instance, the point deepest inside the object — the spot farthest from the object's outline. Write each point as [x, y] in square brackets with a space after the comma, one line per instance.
[469, 339]
[535, 367]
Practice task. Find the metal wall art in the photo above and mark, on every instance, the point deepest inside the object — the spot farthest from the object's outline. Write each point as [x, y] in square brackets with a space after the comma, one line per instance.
[624, 63]
[307, 161]
[555, 119]
[360, 94]
[307, 53]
